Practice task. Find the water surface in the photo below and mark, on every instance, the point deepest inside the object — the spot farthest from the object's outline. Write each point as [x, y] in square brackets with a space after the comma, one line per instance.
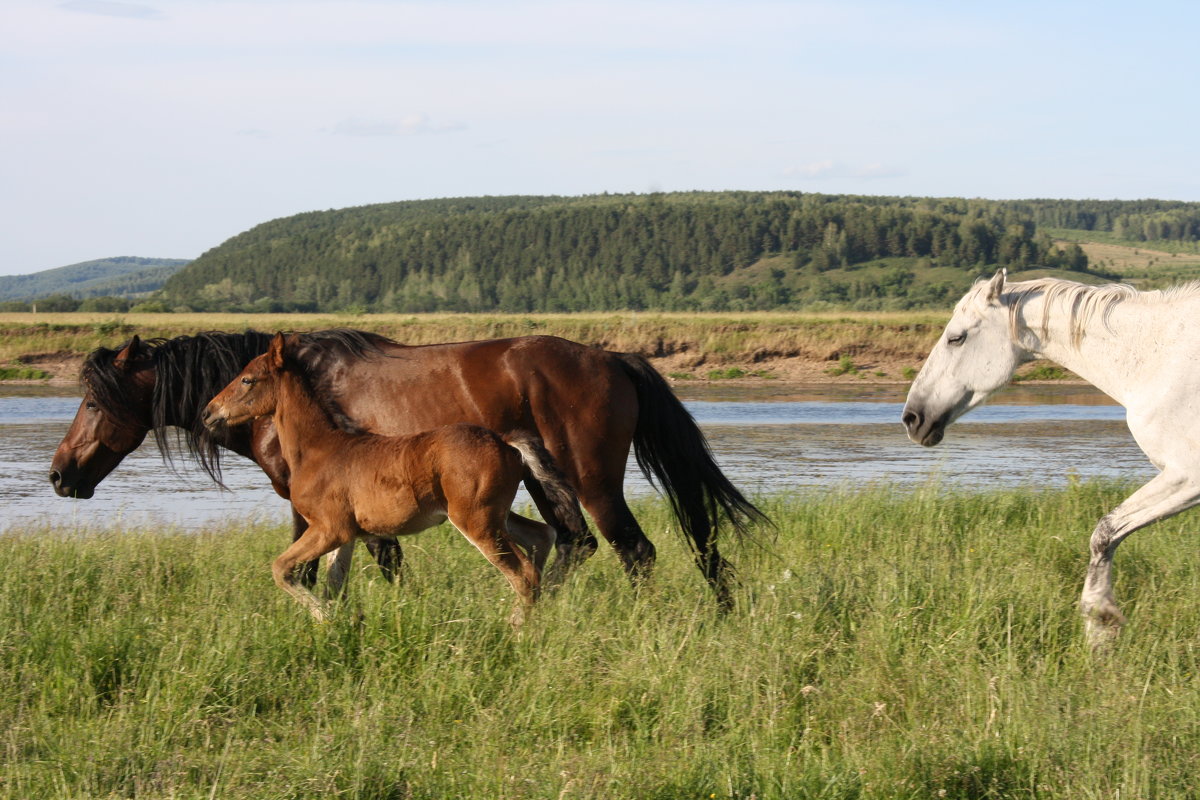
[765, 438]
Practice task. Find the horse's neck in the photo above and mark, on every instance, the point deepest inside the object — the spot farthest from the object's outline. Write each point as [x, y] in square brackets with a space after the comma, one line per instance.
[303, 427]
[1107, 355]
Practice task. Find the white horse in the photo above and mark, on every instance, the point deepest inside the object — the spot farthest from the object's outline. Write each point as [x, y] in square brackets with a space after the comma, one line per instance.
[1140, 348]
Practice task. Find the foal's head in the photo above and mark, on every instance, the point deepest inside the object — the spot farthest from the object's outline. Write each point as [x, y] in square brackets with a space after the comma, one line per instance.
[254, 392]
[975, 356]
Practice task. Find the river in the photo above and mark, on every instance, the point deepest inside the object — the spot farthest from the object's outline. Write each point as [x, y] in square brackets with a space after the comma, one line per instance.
[766, 439]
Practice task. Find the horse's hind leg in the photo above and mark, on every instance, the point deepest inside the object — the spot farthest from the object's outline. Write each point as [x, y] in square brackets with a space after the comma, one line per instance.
[618, 525]
[572, 547]
[485, 528]
[535, 538]
[1166, 495]
[337, 570]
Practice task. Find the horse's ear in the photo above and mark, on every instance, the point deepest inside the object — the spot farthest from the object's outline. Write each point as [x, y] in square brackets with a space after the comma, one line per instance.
[275, 351]
[130, 352]
[996, 285]
[291, 343]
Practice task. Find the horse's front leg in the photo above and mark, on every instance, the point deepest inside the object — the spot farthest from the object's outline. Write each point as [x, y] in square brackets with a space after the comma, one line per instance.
[1166, 495]
[316, 542]
[306, 572]
[388, 555]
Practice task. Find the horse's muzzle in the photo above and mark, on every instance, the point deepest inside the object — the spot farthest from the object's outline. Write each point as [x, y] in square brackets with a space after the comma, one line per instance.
[921, 430]
[63, 490]
[210, 420]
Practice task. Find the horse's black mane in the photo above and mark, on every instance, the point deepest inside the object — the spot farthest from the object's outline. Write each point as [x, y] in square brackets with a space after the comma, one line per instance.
[191, 370]
[310, 363]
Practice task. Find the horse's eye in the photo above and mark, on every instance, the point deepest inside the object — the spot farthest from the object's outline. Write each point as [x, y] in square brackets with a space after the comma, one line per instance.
[956, 340]
[248, 381]
[91, 406]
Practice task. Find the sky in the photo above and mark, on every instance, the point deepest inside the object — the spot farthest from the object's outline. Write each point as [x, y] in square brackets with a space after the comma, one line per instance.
[162, 128]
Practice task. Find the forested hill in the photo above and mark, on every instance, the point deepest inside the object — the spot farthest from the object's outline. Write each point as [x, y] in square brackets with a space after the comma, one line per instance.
[698, 250]
[122, 276]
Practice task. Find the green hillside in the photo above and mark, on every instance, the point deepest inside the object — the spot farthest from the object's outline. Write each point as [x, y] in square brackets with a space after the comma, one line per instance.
[123, 276]
[675, 251]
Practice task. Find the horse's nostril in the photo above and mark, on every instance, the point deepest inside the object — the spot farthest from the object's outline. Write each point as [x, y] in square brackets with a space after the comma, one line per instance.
[911, 419]
[55, 477]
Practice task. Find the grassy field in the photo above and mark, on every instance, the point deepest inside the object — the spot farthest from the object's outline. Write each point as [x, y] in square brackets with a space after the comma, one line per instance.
[39, 339]
[884, 646]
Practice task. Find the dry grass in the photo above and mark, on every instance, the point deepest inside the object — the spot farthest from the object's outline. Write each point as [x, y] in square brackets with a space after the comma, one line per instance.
[1122, 258]
[786, 341]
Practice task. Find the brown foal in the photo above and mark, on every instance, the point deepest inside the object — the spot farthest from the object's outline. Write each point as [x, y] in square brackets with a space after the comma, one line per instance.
[354, 485]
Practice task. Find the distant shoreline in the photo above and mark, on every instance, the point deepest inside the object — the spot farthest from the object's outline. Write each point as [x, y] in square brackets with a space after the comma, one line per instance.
[709, 348]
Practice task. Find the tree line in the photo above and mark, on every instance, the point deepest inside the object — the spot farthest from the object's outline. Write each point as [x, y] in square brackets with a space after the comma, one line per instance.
[671, 251]
[696, 250]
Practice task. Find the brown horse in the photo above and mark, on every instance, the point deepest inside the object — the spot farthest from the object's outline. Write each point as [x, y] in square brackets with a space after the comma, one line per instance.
[589, 407]
[354, 485]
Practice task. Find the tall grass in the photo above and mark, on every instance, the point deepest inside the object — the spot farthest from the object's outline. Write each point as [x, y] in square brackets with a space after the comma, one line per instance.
[885, 645]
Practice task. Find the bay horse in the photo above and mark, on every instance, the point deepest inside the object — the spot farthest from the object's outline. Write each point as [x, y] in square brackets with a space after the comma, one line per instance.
[354, 485]
[160, 385]
[1139, 348]
[589, 406]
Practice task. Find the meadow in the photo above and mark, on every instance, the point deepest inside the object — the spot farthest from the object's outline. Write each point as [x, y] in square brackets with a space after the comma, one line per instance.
[884, 645]
[716, 338]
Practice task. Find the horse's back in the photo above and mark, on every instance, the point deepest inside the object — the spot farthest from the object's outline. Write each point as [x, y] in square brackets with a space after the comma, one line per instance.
[578, 399]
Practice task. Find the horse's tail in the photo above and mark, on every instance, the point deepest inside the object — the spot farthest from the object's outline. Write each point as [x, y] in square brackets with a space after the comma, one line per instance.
[672, 453]
[541, 467]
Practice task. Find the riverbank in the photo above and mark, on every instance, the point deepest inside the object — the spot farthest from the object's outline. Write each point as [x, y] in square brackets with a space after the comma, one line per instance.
[753, 347]
[884, 645]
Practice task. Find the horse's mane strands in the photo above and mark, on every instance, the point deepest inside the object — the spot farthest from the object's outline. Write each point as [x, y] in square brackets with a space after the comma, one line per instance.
[189, 370]
[315, 354]
[100, 376]
[1086, 302]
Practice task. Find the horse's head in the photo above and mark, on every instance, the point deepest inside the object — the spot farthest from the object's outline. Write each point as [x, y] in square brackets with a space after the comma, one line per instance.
[253, 393]
[111, 422]
[975, 356]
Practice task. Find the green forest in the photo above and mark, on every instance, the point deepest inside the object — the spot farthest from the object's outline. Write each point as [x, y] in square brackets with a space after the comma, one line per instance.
[104, 284]
[703, 251]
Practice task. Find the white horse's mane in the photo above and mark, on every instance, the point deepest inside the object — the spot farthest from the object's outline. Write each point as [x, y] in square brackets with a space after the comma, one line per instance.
[1085, 302]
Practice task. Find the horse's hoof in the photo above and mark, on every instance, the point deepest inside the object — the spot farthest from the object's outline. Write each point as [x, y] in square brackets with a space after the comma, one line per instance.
[517, 618]
[1102, 634]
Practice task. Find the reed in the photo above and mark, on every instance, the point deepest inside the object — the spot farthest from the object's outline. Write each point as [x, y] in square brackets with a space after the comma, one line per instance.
[885, 645]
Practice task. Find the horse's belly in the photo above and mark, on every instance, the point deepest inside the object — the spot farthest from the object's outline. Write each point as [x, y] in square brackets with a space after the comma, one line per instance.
[400, 524]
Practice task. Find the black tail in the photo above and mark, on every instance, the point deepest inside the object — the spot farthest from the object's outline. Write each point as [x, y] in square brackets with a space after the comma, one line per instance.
[542, 468]
[672, 453]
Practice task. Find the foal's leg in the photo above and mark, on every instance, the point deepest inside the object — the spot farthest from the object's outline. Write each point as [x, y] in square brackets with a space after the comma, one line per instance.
[337, 570]
[485, 528]
[315, 543]
[306, 572]
[1166, 495]
[535, 538]
[572, 547]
